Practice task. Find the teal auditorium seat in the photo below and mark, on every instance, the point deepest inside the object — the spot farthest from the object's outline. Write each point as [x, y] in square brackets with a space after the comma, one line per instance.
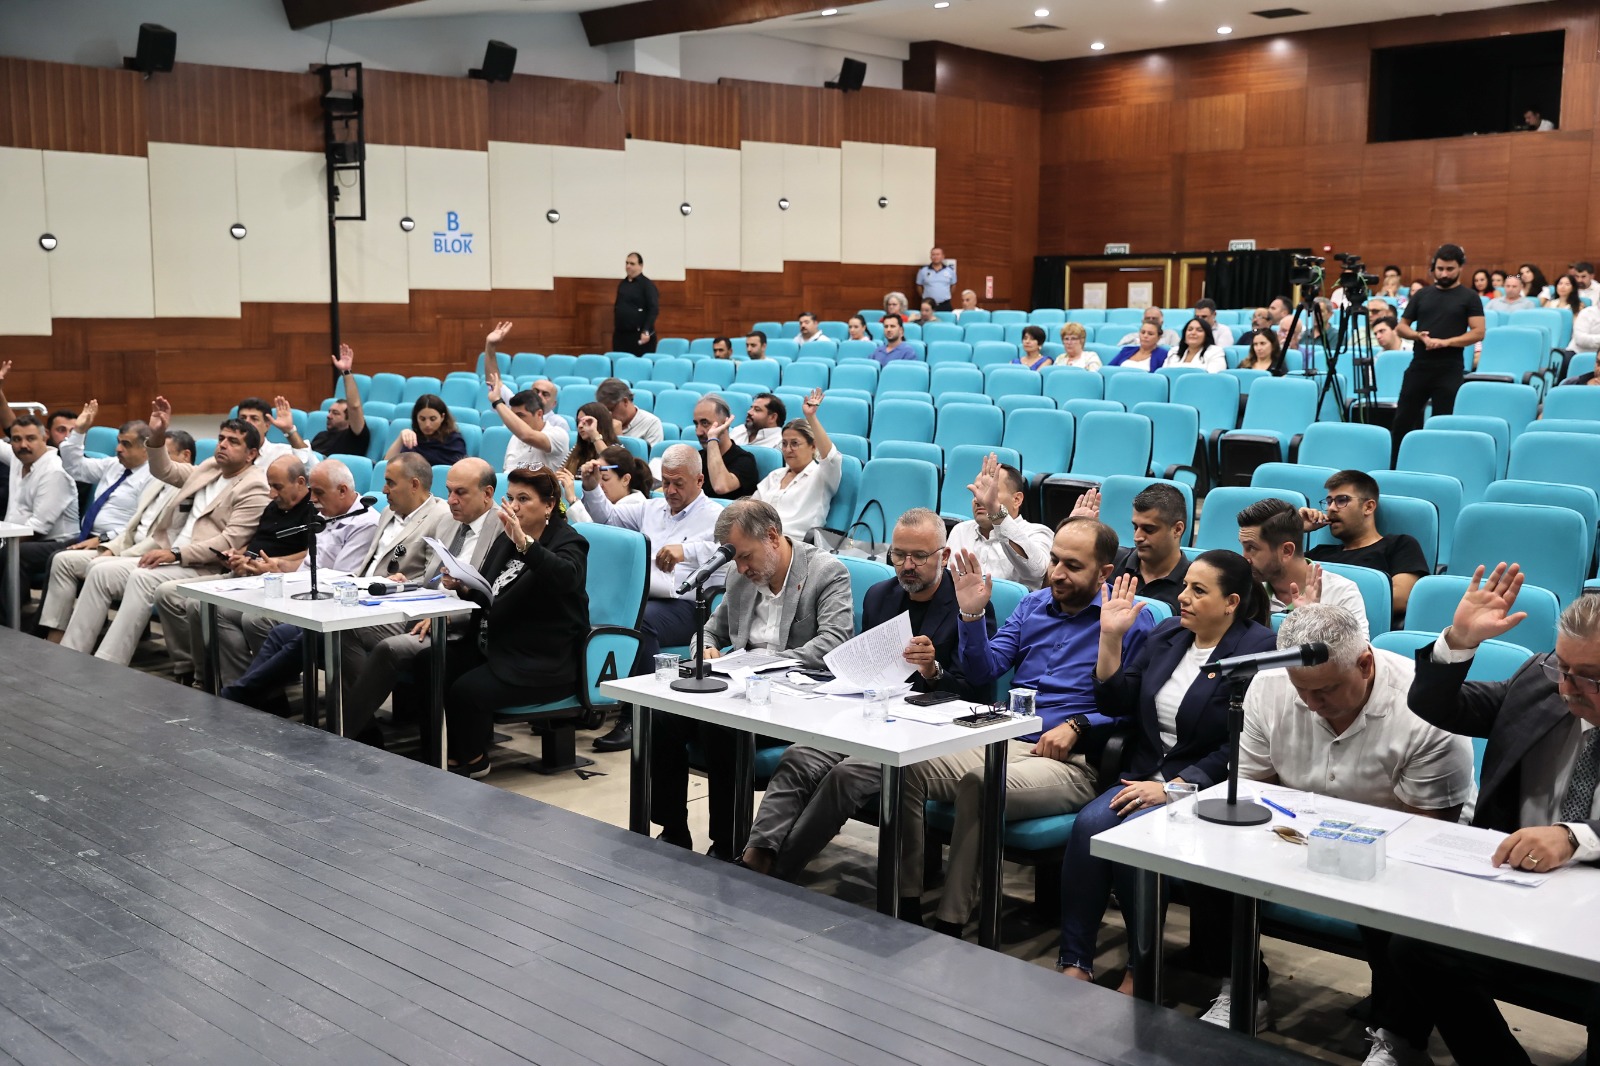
[1442, 490]
[1219, 520]
[864, 573]
[1433, 601]
[1490, 533]
[1116, 504]
[891, 487]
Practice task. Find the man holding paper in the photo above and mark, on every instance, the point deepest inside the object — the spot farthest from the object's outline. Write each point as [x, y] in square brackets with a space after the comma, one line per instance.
[784, 596]
[1538, 784]
[814, 792]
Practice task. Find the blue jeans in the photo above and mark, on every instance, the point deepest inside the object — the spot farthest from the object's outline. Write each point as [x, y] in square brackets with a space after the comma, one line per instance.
[278, 663]
[1086, 883]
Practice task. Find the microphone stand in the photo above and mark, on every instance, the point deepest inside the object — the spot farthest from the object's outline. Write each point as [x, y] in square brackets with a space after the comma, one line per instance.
[700, 682]
[1230, 811]
[316, 525]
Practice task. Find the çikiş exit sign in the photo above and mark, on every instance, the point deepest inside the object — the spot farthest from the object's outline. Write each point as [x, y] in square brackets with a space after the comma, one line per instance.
[1118, 249]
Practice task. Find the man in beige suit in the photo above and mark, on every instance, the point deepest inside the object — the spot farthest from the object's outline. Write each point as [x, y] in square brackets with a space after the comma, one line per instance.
[69, 568]
[218, 506]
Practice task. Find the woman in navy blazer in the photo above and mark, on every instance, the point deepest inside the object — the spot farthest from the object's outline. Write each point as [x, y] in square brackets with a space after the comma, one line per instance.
[1180, 719]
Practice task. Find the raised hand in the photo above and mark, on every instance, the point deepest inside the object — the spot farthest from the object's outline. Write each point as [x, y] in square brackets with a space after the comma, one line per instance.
[589, 428]
[1484, 612]
[160, 415]
[1118, 608]
[973, 586]
[498, 334]
[282, 415]
[491, 379]
[719, 431]
[1088, 505]
[5, 368]
[512, 525]
[345, 361]
[564, 476]
[809, 405]
[86, 416]
[1312, 593]
[985, 488]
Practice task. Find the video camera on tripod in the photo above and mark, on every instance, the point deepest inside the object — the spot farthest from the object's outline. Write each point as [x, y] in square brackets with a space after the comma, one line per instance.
[1356, 283]
[1309, 272]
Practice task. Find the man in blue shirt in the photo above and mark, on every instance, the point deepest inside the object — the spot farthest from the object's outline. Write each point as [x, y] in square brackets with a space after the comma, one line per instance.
[937, 279]
[894, 346]
[1052, 642]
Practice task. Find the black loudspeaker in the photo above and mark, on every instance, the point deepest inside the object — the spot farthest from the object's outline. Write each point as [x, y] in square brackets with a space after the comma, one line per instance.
[158, 46]
[851, 75]
[499, 60]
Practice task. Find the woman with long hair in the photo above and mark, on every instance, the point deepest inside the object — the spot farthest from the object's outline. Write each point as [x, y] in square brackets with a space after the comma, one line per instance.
[1565, 294]
[1533, 281]
[858, 329]
[597, 431]
[1482, 284]
[1198, 347]
[1265, 353]
[433, 433]
[624, 478]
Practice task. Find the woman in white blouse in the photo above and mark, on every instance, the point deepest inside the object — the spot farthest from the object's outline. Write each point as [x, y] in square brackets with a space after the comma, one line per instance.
[1073, 338]
[1199, 348]
[624, 478]
[802, 488]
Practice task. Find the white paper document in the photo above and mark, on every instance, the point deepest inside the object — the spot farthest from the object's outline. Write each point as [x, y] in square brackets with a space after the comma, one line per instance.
[875, 659]
[1460, 849]
[1310, 809]
[295, 578]
[460, 569]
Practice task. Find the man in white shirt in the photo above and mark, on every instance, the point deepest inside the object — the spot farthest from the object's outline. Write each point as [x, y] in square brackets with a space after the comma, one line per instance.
[969, 302]
[1386, 336]
[118, 481]
[763, 423]
[1009, 547]
[1205, 309]
[679, 527]
[808, 328]
[1153, 315]
[626, 416]
[536, 437]
[1342, 729]
[43, 497]
[1270, 537]
[278, 416]
[1586, 330]
[1514, 299]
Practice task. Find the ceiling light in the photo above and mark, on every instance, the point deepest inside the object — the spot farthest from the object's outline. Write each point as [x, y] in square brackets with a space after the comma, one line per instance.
[829, 11]
[941, 5]
[1041, 12]
[1098, 46]
[1224, 29]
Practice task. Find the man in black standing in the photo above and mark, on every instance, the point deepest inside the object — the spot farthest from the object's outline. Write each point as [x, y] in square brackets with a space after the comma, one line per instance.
[633, 320]
[1442, 322]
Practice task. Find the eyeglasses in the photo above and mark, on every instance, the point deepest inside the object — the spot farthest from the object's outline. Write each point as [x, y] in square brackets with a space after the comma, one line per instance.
[1589, 686]
[1341, 501]
[898, 557]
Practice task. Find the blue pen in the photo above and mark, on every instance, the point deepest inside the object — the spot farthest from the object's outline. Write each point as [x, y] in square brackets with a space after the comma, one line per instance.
[1281, 810]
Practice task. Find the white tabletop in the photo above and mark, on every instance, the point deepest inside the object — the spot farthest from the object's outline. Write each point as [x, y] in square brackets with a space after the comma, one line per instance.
[1547, 927]
[14, 529]
[322, 616]
[831, 723]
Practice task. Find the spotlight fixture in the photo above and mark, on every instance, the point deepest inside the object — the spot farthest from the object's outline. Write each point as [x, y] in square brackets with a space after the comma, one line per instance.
[1097, 46]
[407, 223]
[1041, 12]
[341, 103]
[552, 216]
[883, 201]
[237, 231]
[499, 60]
[783, 204]
[829, 11]
[1224, 30]
[47, 241]
[684, 209]
[157, 48]
[941, 5]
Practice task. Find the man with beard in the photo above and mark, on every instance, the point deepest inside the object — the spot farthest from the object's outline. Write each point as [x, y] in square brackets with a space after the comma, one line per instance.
[1351, 516]
[813, 792]
[1443, 321]
[1156, 559]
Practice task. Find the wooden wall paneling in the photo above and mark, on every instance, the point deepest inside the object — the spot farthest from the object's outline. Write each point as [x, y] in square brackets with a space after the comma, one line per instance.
[1275, 118]
[67, 108]
[1216, 69]
[1215, 123]
[888, 116]
[1275, 64]
[788, 114]
[1545, 228]
[530, 109]
[1082, 208]
[953, 71]
[1580, 85]
[1336, 114]
[234, 107]
[426, 111]
[680, 112]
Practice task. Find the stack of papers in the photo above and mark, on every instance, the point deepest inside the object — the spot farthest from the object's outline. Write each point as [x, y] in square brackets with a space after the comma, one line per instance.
[1461, 849]
[460, 569]
[875, 659]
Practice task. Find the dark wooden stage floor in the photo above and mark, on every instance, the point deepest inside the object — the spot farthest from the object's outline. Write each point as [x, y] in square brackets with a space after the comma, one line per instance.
[183, 880]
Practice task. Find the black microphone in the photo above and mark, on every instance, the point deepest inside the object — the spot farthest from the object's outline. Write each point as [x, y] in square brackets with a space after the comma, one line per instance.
[715, 563]
[1247, 666]
[319, 523]
[384, 588]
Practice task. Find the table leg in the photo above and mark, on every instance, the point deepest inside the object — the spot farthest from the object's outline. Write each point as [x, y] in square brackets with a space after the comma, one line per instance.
[1246, 953]
[308, 684]
[437, 651]
[889, 830]
[14, 582]
[212, 667]
[993, 842]
[744, 786]
[639, 772]
[333, 698]
[1145, 949]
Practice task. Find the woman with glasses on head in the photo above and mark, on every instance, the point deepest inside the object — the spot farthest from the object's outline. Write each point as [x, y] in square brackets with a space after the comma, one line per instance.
[1074, 339]
[801, 490]
[530, 623]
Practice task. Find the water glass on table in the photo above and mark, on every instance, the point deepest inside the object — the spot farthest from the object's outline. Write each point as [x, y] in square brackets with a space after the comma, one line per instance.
[875, 704]
[758, 690]
[667, 667]
[1023, 701]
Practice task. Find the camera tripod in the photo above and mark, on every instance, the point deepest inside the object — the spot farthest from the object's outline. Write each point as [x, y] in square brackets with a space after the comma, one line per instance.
[1366, 387]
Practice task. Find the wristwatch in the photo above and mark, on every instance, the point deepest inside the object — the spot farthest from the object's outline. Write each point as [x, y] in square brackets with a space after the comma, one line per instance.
[1572, 838]
[1079, 723]
[938, 672]
[496, 402]
[345, 373]
[1001, 514]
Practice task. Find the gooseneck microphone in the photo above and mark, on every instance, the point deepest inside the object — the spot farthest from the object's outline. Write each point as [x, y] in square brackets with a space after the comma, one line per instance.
[718, 560]
[1247, 666]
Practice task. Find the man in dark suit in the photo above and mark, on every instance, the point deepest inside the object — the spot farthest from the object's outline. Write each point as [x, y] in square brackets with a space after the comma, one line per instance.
[813, 792]
[1538, 784]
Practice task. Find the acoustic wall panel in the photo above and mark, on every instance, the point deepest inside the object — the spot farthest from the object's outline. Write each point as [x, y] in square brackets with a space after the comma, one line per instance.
[811, 225]
[652, 208]
[192, 205]
[372, 254]
[910, 176]
[522, 239]
[98, 206]
[283, 204]
[761, 185]
[711, 186]
[25, 295]
[447, 193]
[861, 220]
[591, 240]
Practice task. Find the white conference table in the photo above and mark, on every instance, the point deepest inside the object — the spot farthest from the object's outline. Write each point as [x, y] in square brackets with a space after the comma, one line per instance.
[836, 724]
[13, 533]
[1531, 926]
[329, 620]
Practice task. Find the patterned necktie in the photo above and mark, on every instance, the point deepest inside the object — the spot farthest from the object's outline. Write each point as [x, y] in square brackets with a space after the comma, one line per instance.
[86, 527]
[1585, 774]
[459, 541]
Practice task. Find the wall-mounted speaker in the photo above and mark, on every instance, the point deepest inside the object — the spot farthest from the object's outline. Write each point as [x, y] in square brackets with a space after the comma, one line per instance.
[851, 75]
[158, 46]
[499, 60]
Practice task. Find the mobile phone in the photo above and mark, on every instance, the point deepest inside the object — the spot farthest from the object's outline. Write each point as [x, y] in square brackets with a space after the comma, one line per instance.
[929, 699]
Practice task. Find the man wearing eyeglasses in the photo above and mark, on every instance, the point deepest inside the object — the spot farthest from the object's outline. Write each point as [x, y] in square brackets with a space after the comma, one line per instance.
[1538, 784]
[813, 792]
[1351, 517]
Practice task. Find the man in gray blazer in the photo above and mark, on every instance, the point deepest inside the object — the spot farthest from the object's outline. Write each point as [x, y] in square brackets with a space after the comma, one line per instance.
[1540, 772]
[785, 596]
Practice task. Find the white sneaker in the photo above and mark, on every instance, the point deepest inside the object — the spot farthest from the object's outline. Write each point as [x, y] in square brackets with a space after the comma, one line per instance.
[1221, 1011]
[1390, 1050]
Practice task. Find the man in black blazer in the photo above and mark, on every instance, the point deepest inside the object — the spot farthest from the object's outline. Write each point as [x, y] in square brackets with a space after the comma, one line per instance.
[813, 792]
[1538, 784]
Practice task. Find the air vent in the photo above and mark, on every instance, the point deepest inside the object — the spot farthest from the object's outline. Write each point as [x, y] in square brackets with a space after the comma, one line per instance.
[1279, 13]
[1039, 27]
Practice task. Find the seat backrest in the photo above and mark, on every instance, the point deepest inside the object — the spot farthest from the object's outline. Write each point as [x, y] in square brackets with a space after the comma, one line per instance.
[890, 488]
[1012, 381]
[672, 346]
[1065, 383]
[1176, 440]
[1079, 408]
[969, 423]
[1514, 350]
[1006, 597]
[1346, 446]
[1494, 426]
[864, 573]
[1442, 490]
[1563, 458]
[1410, 515]
[1389, 370]
[859, 375]
[1306, 480]
[1551, 544]
[853, 445]
[975, 333]
[1433, 601]
[1495, 660]
[676, 406]
[1517, 404]
[1285, 405]
[842, 511]
[1130, 389]
[943, 352]
[1116, 504]
[962, 465]
[1579, 498]
[903, 376]
[383, 388]
[1572, 401]
[990, 353]
[1219, 519]
[763, 372]
[902, 420]
[1214, 396]
[807, 375]
[618, 576]
[1466, 455]
[937, 332]
[1042, 438]
[1111, 442]
[960, 378]
[928, 453]
[718, 372]
[1376, 593]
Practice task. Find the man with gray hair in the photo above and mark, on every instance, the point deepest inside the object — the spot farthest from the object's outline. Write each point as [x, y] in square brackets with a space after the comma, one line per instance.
[730, 472]
[626, 416]
[1342, 729]
[1154, 316]
[784, 596]
[1540, 770]
[678, 526]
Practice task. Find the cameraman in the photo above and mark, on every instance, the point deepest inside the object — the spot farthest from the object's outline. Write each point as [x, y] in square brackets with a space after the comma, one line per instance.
[1442, 322]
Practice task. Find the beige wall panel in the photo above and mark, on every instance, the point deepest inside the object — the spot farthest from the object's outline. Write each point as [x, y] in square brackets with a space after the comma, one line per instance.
[761, 223]
[711, 181]
[98, 206]
[283, 203]
[651, 210]
[909, 179]
[192, 205]
[591, 240]
[811, 225]
[447, 192]
[25, 294]
[373, 264]
[522, 240]
[861, 220]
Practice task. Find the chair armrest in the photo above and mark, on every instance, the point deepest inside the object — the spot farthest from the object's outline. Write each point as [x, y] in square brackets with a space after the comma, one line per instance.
[1109, 767]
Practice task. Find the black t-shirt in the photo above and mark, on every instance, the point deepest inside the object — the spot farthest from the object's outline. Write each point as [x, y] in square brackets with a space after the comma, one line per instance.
[742, 465]
[1165, 589]
[1443, 313]
[1396, 555]
[342, 441]
[275, 518]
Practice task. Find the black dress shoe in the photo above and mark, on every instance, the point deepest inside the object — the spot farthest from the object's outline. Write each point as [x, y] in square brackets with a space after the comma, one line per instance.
[184, 680]
[619, 739]
[677, 838]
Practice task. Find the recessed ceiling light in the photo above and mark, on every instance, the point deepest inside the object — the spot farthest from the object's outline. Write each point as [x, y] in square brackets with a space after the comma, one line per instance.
[941, 5]
[1224, 29]
[1041, 12]
[830, 11]
[1098, 46]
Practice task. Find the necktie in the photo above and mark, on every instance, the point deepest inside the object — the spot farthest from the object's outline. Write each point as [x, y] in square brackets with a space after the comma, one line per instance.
[1585, 774]
[459, 541]
[86, 527]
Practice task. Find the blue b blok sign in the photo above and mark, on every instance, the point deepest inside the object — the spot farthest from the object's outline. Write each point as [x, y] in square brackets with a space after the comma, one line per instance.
[452, 241]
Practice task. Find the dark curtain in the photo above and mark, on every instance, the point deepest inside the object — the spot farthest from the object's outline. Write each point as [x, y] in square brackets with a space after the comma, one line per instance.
[1248, 279]
[1049, 280]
